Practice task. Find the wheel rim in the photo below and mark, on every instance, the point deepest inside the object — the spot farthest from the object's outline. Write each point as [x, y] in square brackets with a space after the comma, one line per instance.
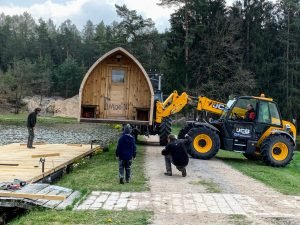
[202, 143]
[280, 151]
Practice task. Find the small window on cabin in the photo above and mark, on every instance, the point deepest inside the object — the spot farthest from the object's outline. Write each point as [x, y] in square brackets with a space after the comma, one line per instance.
[118, 76]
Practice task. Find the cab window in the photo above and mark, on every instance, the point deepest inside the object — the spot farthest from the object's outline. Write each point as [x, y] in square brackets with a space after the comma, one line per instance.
[274, 114]
[239, 110]
[264, 113]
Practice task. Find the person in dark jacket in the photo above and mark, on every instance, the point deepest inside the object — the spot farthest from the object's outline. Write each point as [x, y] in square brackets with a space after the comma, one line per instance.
[125, 153]
[31, 122]
[175, 153]
[250, 114]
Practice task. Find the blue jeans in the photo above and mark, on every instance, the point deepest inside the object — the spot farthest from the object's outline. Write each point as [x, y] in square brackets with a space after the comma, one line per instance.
[125, 165]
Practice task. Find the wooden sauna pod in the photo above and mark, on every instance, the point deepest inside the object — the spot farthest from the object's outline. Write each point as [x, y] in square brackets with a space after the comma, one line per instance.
[116, 89]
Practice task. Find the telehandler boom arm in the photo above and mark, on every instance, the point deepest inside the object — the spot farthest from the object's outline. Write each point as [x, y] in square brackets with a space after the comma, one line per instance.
[175, 103]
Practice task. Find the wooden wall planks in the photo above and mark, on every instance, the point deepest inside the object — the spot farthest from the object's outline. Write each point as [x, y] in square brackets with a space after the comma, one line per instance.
[98, 89]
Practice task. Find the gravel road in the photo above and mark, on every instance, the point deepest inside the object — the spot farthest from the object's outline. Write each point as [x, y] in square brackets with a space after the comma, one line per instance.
[226, 179]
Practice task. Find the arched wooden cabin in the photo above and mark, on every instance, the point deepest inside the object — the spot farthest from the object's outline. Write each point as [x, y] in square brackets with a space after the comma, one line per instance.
[116, 89]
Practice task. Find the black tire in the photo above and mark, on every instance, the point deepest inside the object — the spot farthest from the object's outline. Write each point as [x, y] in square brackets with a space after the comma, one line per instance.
[165, 129]
[185, 130]
[255, 156]
[277, 150]
[205, 143]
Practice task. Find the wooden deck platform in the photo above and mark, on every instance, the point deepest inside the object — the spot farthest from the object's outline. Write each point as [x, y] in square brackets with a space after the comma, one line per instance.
[19, 162]
[41, 190]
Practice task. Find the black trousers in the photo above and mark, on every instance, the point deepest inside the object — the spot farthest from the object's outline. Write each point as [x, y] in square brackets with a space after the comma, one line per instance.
[30, 136]
[169, 162]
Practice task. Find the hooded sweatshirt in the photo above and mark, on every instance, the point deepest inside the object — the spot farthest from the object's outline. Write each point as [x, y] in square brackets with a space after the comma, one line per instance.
[126, 149]
[178, 152]
[31, 120]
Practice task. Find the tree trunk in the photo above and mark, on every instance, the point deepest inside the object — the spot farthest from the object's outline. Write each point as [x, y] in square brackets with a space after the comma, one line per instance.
[186, 23]
[287, 60]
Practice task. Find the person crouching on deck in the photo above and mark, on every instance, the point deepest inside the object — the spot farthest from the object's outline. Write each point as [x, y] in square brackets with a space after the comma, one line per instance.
[125, 153]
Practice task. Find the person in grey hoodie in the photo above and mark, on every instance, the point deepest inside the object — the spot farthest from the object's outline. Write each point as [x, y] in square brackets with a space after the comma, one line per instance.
[125, 153]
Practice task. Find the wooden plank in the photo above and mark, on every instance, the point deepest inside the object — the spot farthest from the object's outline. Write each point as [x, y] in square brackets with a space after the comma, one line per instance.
[35, 143]
[64, 164]
[117, 121]
[75, 145]
[29, 168]
[53, 190]
[47, 190]
[32, 196]
[9, 164]
[45, 155]
[52, 204]
[31, 189]
[44, 202]
[40, 190]
[68, 201]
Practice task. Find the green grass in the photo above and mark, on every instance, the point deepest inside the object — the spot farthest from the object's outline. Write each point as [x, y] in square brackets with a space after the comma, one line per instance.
[209, 185]
[285, 180]
[101, 173]
[97, 173]
[47, 217]
[239, 219]
[176, 129]
[20, 119]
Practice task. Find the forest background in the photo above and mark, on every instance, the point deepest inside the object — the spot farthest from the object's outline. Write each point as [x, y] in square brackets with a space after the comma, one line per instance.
[211, 49]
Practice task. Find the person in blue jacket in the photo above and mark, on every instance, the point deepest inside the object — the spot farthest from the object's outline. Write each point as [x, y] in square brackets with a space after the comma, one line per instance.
[125, 153]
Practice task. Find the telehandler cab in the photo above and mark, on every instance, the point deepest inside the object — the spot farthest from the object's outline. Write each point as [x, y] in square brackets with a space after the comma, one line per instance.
[267, 137]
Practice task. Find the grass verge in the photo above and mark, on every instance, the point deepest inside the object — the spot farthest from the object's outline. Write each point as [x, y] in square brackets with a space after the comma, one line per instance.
[176, 129]
[239, 219]
[97, 173]
[285, 180]
[20, 119]
[101, 173]
[47, 217]
[209, 185]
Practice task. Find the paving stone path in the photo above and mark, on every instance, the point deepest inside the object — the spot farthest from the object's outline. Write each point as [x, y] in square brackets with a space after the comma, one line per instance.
[178, 200]
[180, 203]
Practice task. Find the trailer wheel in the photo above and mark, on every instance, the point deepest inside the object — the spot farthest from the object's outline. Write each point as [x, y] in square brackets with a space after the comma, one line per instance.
[165, 129]
[277, 151]
[205, 143]
[182, 134]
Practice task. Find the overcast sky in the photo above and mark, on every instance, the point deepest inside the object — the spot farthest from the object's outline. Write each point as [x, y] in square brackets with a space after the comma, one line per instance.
[79, 11]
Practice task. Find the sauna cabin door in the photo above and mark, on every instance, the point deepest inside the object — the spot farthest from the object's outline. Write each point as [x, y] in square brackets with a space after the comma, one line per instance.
[116, 102]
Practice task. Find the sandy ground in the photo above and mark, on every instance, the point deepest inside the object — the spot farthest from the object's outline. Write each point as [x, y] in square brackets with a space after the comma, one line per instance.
[224, 179]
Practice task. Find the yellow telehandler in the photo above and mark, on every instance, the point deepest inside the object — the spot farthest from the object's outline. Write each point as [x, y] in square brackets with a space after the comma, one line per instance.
[266, 137]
